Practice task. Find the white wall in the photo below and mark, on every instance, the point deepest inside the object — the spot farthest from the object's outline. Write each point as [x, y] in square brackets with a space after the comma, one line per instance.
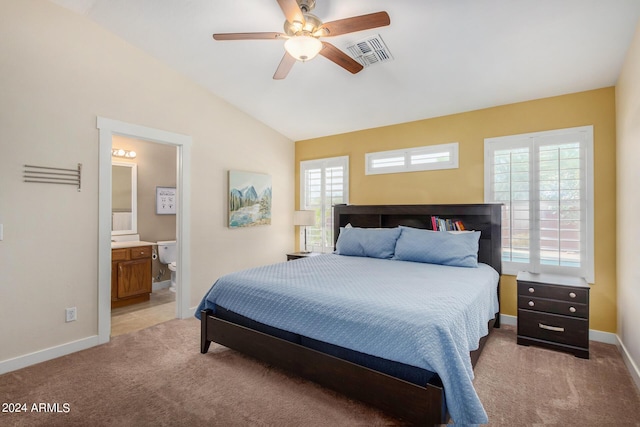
[628, 209]
[58, 71]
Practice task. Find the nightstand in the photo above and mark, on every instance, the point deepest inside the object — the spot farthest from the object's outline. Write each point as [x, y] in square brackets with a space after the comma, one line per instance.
[553, 312]
[297, 255]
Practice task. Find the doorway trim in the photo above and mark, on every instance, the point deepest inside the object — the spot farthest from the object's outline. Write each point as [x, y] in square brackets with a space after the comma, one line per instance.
[108, 128]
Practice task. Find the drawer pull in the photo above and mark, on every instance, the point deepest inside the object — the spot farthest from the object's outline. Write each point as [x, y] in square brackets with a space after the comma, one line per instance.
[531, 303]
[550, 328]
[572, 294]
[531, 290]
[572, 309]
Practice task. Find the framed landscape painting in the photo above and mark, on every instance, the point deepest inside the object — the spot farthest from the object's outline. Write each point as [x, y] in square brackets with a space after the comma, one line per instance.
[249, 199]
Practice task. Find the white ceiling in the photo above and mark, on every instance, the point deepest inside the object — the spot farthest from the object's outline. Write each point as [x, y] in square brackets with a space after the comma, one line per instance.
[450, 56]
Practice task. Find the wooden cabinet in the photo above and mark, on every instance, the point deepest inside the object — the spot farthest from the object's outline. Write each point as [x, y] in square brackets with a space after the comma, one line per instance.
[130, 275]
[553, 312]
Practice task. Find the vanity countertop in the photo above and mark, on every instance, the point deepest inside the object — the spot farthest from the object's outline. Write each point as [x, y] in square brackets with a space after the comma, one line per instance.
[131, 244]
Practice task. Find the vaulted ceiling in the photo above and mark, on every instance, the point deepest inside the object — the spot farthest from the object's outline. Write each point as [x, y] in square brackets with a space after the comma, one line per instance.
[449, 56]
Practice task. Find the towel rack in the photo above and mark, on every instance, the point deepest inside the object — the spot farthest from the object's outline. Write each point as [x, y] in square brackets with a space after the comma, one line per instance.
[49, 175]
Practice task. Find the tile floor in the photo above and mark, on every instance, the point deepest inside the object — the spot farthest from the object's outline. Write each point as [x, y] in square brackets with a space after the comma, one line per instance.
[160, 308]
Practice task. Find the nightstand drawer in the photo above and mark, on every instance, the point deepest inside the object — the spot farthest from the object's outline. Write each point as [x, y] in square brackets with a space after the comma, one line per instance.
[564, 293]
[555, 328]
[554, 306]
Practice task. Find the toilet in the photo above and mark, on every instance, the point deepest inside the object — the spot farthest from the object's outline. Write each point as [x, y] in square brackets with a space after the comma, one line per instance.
[167, 253]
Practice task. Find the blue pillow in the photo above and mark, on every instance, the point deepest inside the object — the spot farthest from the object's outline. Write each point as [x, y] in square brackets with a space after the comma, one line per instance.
[367, 242]
[438, 247]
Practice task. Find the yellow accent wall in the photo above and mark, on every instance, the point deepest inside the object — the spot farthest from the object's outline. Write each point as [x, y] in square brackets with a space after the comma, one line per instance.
[466, 184]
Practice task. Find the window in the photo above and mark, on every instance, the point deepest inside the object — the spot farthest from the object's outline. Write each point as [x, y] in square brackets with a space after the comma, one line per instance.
[323, 183]
[545, 182]
[432, 157]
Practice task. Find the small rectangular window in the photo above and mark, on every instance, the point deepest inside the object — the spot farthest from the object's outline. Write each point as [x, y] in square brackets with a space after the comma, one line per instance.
[432, 157]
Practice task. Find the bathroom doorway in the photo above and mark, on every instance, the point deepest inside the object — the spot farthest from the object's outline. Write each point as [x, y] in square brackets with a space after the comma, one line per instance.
[143, 293]
[181, 145]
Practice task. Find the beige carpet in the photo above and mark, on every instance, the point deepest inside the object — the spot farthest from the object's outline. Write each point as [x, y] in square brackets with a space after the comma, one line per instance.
[157, 376]
[521, 385]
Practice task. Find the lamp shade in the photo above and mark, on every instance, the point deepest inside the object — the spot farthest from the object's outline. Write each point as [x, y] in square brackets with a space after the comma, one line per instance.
[303, 48]
[304, 218]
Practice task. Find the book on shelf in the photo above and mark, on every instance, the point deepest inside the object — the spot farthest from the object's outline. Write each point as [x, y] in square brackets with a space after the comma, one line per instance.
[446, 224]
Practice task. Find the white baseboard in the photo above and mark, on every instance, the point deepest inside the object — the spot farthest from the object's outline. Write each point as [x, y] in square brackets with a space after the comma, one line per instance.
[594, 335]
[605, 337]
[506, 319]
[47, 354]
[190, 313]
[634, 370]
[23, 361]
[156, 286]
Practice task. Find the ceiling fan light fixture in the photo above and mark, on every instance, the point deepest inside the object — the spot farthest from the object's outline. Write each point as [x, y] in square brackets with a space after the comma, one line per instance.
[303, 48]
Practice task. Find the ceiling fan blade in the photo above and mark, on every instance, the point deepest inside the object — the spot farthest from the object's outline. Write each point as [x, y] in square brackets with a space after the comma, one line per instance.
[356, 23]
[334, 54]
[285, 66]
[291, 10]
[249, 36]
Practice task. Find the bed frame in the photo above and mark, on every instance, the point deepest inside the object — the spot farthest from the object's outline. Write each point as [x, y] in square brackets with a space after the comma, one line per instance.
[414, 404]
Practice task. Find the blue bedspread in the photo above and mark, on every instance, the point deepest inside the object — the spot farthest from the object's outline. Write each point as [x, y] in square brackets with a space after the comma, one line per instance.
[424, 315]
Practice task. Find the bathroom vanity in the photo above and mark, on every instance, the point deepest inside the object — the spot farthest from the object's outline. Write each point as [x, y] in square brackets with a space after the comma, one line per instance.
[130, 273]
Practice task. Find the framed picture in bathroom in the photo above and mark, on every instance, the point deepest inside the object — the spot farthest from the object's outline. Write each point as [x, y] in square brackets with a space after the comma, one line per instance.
[166, 200]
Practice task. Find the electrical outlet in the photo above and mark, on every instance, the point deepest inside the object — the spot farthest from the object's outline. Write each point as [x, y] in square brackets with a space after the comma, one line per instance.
[72, 314]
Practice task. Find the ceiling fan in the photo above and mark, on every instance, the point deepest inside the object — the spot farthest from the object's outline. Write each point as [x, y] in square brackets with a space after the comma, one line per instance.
[302, 30]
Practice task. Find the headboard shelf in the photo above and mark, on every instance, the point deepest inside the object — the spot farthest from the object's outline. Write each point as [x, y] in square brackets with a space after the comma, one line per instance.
[485, 218]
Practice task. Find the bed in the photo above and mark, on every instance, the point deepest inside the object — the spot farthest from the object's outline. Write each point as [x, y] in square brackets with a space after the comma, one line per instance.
[310, 321]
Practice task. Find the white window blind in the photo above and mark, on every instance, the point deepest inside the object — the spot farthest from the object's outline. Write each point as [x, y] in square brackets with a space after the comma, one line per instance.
[323, 183]
[432, 157]
[545, 182]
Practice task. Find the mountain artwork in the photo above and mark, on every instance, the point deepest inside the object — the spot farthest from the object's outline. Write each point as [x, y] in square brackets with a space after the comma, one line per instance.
[249, 199]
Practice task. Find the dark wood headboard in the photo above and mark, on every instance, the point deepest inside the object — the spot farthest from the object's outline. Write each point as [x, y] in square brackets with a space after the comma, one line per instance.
[486, 218]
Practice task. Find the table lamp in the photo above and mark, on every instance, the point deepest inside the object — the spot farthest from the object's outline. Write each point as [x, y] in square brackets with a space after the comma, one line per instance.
[303, 219]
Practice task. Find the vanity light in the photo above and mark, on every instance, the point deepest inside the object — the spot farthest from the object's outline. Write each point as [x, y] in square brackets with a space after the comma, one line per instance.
[119, 152]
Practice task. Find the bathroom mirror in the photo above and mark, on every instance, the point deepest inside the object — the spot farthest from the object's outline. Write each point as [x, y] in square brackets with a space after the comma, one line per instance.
[124, 198]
